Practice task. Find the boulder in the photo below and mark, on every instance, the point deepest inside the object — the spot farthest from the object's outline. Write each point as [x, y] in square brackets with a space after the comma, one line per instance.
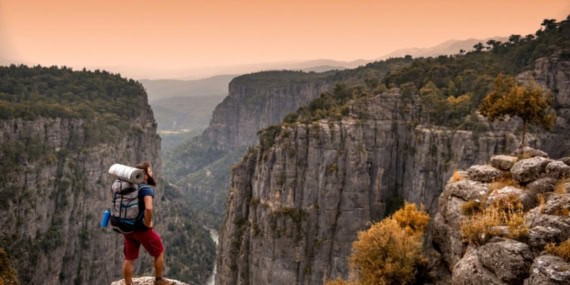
[510, 260]
[484, 173]
[566, 160]
[527, 170]
[557, 169]
[557, 204]
[549, 269]
[503, 162]
[447, 241]
[529, 152]
[540, 236]
[542, 185]
[470, 271]
[545, 228]
[467, 189]
[510, 193]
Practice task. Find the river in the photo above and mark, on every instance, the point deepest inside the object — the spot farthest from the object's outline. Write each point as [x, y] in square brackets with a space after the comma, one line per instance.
[214, 235]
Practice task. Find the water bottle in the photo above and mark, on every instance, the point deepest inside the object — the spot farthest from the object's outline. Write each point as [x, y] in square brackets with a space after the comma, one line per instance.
[105, 218]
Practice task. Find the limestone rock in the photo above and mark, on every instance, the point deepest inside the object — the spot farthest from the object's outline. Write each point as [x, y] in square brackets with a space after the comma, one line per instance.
[530, 169]
[540, 236]
[542, 185]
[549, 269]
[566, 160]
[503, 162]
[510, 192]
[508, 259]
[557, 204]
[557, 169]
[484, 173]
[470, 271]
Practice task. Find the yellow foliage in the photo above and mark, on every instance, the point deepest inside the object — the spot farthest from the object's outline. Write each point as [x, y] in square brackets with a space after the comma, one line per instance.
[562, 250]
[390, 252]
[457, 176]
[410, 218]
[505, 214]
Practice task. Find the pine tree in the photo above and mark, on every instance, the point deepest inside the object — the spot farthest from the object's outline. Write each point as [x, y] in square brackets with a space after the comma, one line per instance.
[529, 102]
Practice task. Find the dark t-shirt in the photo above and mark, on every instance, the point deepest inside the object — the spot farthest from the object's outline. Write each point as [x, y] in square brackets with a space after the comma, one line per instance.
[144, 190]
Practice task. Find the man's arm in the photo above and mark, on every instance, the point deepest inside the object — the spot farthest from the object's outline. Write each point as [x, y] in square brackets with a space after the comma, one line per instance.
[148, 211]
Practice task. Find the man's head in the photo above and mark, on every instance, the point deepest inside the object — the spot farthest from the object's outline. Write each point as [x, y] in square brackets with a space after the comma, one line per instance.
[148, 178]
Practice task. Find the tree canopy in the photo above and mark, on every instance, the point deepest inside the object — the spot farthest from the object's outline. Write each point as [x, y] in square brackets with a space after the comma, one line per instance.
[529, 102]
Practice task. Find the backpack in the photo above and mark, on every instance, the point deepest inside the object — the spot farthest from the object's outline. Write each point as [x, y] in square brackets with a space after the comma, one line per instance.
[125, 212]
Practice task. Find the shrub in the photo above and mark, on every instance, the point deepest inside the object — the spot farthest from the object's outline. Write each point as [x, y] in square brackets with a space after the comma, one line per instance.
[562, 250]
[390, 252]
[457, 176]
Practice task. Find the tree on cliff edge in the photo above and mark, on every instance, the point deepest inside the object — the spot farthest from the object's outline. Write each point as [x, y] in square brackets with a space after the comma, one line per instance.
[529, 102]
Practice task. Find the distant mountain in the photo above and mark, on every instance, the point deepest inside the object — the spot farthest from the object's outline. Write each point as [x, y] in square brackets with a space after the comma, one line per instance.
[168, 88]
[445, 48]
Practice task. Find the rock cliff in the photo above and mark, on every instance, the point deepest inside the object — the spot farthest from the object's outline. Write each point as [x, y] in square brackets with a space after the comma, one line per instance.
[54, 198]
[297, 202]
[55, 185]
[255, 101]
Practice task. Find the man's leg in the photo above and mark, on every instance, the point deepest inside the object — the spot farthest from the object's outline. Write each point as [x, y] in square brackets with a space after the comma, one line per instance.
[128, 271]
[131, 251]
[159, 265]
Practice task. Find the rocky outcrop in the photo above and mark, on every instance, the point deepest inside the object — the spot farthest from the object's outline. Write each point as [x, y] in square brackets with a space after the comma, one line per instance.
[295, 207]
[500, 259]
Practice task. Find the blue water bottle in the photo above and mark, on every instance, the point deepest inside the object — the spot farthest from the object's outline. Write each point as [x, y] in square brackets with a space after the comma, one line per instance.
[105, 218]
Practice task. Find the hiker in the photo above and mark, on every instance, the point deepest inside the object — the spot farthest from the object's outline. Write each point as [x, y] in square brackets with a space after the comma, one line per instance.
[144, 233]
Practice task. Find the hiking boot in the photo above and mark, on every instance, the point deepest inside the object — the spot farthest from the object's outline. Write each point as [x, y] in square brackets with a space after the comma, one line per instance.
[163, 281]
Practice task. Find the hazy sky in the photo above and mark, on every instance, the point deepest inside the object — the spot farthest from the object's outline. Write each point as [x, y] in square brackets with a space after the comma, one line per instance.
[144, 37]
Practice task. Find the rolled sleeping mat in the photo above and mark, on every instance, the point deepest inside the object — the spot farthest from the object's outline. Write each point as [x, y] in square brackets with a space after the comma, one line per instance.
[127, 173]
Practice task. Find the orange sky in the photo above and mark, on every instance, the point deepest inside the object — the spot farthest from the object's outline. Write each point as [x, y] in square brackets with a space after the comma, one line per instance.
[156, 38]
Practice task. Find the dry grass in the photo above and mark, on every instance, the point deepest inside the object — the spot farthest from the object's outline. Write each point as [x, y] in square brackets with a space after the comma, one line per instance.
[457, 176]
[562, 250]
[560, 187]
[471, 207]
[503, 182]
[541, 201]
[481, 226]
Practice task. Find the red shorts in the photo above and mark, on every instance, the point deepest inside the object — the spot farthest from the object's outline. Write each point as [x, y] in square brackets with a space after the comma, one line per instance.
[150, 241]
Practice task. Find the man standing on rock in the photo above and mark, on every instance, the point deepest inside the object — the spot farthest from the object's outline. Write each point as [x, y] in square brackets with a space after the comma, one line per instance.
[144, 233]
